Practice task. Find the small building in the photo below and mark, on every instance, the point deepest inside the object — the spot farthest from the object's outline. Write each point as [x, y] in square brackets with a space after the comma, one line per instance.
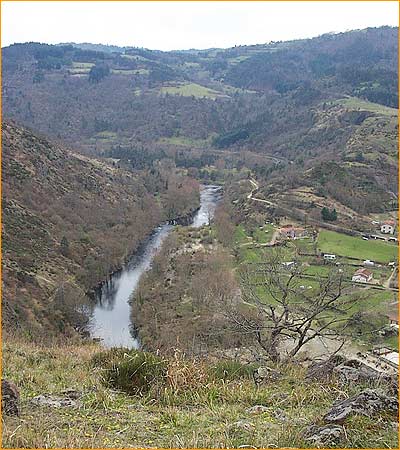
[289, 264]
[368, 262]
[393, 317]
[387, 227]
[292, 232]
[362, 276]
[329, 257]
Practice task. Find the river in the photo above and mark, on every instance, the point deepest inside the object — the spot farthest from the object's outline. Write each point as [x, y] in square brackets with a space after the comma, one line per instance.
[111, 317]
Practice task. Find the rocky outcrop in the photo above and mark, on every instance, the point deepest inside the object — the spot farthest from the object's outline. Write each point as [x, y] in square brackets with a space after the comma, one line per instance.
[322, 370]
[327, 434]
[368, 403]
[70, 398]
[10, 397]
[348, 371]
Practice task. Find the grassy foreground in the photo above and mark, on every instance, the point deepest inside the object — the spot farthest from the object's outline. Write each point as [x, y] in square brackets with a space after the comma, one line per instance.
[192, 410]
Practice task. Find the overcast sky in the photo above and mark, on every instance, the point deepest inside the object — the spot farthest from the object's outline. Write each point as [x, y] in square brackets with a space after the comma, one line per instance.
[168, 25]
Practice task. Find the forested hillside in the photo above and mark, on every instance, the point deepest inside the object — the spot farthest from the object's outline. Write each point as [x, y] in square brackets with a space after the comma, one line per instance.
[243, 96]
[68, 221]
[294, 113]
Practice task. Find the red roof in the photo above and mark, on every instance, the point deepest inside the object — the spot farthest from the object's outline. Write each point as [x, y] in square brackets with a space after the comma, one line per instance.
[388, 222]
[364, 272]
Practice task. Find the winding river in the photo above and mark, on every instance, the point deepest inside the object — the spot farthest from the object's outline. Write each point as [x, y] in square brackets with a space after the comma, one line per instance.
[111, 318]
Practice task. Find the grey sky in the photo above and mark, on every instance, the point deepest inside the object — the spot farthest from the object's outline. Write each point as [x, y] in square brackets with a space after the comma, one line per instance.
[168, 25]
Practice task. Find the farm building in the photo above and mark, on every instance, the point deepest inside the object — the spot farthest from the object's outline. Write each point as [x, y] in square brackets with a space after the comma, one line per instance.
[368, 262]
[393, 316]
[362, 276]
[292, 232]
[329, 257]
[387, 227]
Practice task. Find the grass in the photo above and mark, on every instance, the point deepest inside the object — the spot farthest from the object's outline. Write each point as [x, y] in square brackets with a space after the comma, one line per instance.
[185, 141]
[82, 65]
[125, 72]
[191, 412]
[358, 104]
[191, 89]
[355, 247]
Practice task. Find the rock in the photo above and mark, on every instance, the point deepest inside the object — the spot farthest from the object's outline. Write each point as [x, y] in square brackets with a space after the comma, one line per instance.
[356, 371]
[279, 414]
[9, 398]
[54, 402]
[72, 394]
[257, 409]
[242, 425]
[367, 403]
[328, 434]
[265, 374]
[321, 371]
[348, 371]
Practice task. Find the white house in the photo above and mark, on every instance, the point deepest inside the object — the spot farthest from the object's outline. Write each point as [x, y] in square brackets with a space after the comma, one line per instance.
[362, 276]
[329, 257]
[387, 227]
[368, 262]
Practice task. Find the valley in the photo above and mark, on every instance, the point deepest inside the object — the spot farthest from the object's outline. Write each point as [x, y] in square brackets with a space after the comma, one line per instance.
[200, 247]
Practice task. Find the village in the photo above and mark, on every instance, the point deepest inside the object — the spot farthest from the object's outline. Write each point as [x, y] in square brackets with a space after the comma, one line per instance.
[367, 262]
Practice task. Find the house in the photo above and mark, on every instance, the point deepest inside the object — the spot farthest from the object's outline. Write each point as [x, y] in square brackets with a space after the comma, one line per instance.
[292, 232]
[393, 317]
[362, 276]
[387, 227]
[329, 257]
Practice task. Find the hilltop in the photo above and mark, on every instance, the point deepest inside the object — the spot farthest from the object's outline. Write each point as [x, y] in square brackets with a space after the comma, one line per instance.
[303, 104]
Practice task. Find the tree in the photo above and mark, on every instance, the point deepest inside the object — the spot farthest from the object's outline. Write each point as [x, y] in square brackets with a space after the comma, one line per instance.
[328, 215]
[285, 315]
[64, 246]
[98, 72]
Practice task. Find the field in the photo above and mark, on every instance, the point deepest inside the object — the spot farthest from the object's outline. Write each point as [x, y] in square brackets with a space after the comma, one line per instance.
[358, 104]
[191, 89]
[185, 141]
[129, 72]
[355, 247]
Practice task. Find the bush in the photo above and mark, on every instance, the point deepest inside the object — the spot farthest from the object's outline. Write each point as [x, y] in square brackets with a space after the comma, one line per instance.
[232, 370]
[131, 371]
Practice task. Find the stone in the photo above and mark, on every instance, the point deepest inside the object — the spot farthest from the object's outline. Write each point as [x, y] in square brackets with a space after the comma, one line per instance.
[327, 434]
[322, 370]
[367, 403]
[257, 409]
[265, 374]
[10, 397]
[356, 371]
[53, 401]
[279, 414]
[242, 425]
[348, 371]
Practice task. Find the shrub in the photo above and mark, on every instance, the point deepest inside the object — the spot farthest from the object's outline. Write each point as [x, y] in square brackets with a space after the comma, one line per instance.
[131, 371]
[232, 370]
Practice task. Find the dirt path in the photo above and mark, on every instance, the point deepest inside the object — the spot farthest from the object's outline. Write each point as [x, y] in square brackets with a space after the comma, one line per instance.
[386, 284]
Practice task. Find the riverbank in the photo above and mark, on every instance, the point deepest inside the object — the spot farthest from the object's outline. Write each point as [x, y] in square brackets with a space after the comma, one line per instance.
[110, 316]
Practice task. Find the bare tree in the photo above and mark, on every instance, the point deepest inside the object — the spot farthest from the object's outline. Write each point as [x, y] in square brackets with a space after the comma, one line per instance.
[283, 309]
